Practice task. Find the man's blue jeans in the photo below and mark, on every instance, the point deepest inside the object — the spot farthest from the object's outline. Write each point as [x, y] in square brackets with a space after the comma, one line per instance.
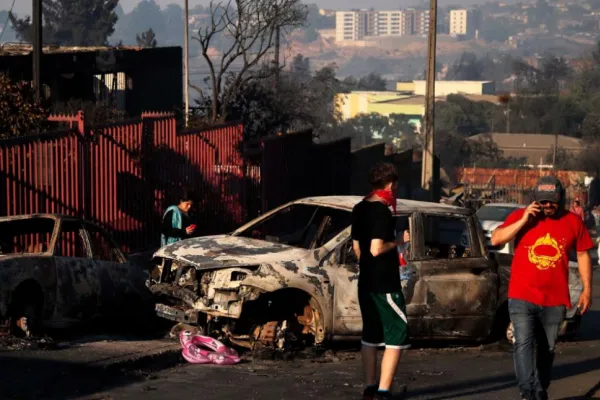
[536, 330]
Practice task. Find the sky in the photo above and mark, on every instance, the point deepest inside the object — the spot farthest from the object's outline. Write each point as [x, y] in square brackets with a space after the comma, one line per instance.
[24, 6]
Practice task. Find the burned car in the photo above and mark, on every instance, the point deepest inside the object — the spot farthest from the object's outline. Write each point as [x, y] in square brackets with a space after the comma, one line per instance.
[292, 275]
[56, 271]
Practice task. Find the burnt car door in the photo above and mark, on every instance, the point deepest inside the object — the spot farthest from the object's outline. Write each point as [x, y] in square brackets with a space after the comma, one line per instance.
[347, 319]
[457, 286]
[110, 267]
[78, 285]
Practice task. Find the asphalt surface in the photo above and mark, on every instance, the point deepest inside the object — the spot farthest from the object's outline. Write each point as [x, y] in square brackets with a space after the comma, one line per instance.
[97, 368]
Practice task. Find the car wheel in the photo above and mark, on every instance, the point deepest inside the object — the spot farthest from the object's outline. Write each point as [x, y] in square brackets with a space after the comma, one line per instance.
[26, 310]
[510, 333]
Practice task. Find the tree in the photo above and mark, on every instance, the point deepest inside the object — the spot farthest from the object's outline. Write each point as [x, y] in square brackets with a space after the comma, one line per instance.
[467, 68]
[174, 21]
[19, 113]
[145, 14]
[301, 65]
[304, 101]
[72, 22]
[251, 27]
[146, 39]
[373, 82]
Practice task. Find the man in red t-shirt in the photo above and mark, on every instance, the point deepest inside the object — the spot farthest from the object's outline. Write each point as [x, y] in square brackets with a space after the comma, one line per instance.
[538, 291]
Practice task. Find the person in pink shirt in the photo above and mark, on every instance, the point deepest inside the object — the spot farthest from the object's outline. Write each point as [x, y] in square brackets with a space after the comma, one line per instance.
[577, 209]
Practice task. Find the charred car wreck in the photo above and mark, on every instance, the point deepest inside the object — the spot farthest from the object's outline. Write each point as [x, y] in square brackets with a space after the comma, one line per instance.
[291, 275]
[56, 271]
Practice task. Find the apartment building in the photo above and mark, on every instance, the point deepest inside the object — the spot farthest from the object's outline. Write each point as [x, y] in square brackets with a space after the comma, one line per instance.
[356, 24]
[464, 22]
[351, 25]
[421, 22]
[393, 23]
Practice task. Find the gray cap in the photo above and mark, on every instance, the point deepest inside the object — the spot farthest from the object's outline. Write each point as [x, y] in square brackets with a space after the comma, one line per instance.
[548, 188]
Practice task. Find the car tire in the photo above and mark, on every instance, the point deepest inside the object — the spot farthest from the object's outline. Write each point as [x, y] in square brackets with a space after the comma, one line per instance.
[26, 310]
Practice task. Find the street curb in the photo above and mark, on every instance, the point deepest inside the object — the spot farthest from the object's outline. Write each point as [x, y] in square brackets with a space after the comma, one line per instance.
[166, 357]
[594, 393]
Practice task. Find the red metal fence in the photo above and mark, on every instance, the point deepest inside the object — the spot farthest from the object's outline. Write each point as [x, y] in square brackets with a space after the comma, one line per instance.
[124, 175]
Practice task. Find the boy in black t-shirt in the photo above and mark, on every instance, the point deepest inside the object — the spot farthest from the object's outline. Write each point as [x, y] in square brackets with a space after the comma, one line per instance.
[379, 291]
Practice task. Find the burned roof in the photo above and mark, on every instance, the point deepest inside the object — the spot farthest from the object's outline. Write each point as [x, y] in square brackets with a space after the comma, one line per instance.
[20, 49]
[403, 205]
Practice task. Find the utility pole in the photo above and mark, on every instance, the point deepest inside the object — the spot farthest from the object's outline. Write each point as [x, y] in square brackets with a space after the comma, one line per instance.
[427, 172]
[37, 48]
[277, 50]
[186, 65]
[554, 152]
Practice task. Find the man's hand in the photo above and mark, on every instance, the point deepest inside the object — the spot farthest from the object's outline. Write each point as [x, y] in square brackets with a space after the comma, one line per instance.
[190, 229]
[531, 211]
[585, 302]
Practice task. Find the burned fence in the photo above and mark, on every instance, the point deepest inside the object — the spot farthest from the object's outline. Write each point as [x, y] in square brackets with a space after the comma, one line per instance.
[123, 175]
[489, 185]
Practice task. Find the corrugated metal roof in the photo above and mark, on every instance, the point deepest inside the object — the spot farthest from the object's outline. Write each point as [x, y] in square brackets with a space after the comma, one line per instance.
[533, 146]
[19, 49]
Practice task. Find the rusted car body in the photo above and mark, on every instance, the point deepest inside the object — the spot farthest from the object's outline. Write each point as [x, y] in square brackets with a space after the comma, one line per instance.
[292, 274]
[56, 271]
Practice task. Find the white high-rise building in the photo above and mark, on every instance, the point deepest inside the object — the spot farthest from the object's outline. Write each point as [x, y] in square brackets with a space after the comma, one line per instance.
[393, 23]
[356, 24]
[351, 25]
[464, 22]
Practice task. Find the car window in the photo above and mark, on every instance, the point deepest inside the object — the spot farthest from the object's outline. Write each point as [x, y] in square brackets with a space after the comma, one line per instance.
[102, 247]
[446, 237]
[29, 236]
[71, 241]
[348, 256]
[300, 225]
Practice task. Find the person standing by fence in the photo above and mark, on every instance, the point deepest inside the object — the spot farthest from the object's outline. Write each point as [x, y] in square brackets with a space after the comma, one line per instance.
[538, 292]
[176, 223]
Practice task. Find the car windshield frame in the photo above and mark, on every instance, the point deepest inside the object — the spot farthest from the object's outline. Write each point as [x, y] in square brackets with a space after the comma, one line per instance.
[500, 213]
[29, 238]
[318, 211]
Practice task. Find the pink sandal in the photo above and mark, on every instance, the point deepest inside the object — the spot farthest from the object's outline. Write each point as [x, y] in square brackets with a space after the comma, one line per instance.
[223, 355]
[196, 355]
[185, 337]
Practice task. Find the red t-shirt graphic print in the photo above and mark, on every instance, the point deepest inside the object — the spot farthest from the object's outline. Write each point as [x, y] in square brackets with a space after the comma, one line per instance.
[540, 267]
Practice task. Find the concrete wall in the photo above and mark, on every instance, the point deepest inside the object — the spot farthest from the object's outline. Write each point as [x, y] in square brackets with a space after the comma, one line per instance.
[444, 88]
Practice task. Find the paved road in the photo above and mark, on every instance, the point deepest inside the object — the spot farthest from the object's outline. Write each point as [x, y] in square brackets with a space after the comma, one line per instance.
[484, 372]
[103, 369]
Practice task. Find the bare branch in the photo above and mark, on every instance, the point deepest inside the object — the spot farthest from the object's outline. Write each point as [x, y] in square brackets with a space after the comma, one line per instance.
[251, 26]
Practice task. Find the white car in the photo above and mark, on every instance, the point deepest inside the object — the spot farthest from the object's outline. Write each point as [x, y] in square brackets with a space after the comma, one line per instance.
[492, 216]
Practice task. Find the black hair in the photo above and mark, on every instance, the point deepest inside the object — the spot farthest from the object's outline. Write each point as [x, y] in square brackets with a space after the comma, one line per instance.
[383, 174]
[186, 195]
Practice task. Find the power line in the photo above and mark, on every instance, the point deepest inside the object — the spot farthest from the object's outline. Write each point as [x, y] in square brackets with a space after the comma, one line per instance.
[7, 18]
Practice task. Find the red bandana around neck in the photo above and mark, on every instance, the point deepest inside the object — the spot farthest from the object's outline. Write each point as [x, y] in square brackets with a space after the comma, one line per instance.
[387, 197]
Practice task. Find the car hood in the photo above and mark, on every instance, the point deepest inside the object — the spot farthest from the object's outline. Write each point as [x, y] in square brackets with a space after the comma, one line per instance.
[489, 226]
[218, 252]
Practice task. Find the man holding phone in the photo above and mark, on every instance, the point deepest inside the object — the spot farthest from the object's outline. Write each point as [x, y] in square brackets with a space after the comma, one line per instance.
[538, 291]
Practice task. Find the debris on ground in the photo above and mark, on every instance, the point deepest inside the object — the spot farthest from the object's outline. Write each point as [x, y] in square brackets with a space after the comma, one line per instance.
[8, 342]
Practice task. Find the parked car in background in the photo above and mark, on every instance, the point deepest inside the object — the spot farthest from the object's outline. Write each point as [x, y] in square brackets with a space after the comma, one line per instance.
[291, 276]
[491, 216]
[56, 271]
